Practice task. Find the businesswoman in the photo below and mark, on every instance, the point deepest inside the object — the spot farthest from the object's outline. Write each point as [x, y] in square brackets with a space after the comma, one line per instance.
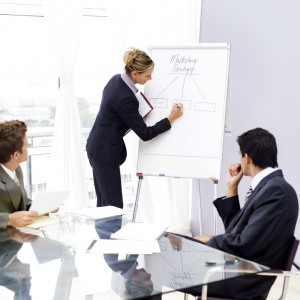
[118, 113]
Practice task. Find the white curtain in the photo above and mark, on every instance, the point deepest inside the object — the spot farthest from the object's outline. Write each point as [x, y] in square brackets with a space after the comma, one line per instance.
[67, 167]
[141, 23]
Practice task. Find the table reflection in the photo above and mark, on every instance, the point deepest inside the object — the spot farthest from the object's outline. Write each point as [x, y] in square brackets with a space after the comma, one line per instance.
[14, 274]
[137, 280]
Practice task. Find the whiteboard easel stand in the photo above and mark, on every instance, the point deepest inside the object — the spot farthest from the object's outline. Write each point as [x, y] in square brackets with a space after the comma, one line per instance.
[215, 210]
[199, 207]
[136, 203]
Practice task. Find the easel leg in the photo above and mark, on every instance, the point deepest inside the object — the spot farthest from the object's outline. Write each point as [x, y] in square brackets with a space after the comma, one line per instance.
[215, 211]
[199, 205]
[136, 204]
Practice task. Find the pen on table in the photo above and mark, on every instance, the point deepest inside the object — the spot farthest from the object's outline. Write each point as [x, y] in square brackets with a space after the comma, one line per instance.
[220, 262]
[91, 246]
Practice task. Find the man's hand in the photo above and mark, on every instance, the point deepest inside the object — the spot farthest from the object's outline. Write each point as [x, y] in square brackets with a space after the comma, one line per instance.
[234, 176]
[202, 238]
[175, 241]
[19, 236]
[21, 218]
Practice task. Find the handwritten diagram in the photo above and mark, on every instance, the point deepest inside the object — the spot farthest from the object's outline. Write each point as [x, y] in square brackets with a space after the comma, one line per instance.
[197, 78]
[181, 268]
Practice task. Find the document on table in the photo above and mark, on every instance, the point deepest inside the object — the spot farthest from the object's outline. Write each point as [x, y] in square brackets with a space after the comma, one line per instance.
[100, 213]
[124, 247]
[140, 231]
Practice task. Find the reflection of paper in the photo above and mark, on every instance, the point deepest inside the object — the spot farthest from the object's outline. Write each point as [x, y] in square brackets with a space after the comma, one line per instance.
[125, 247]
[91, 268]
[98, 213]
[139, 231]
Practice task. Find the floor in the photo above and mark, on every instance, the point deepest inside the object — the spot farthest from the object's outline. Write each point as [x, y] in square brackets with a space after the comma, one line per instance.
[293, 289]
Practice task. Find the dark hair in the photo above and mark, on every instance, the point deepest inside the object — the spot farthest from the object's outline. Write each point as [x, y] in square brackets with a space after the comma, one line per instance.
[137, 60]
[12, 134]
[136, 290]
[260, 146]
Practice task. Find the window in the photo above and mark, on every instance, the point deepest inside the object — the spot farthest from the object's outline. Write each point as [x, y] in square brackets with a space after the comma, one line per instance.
[28, 80]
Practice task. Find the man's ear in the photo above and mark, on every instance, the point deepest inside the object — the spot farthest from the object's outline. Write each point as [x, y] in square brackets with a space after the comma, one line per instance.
[15, 155]
[248, 159]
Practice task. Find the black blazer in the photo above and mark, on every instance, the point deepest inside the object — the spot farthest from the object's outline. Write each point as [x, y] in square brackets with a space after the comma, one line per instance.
[261, 231]
[118, 113]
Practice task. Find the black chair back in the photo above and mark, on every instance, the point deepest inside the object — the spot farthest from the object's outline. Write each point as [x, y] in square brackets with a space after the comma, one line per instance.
[288, 262]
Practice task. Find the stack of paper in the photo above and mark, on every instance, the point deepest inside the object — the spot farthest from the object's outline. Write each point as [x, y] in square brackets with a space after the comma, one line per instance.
[139, 231]
[124, 247]
[132, 238]
[100, 213]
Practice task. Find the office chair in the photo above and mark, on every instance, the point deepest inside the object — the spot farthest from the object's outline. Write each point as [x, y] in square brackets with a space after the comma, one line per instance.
[285, 271]
[286, 268]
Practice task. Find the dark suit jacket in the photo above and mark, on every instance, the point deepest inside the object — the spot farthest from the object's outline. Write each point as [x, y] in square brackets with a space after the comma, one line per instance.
[118, 113]
[12, 197]
[261, 231]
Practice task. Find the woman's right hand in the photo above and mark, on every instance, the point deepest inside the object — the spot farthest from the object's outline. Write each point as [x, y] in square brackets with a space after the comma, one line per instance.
[176, 112]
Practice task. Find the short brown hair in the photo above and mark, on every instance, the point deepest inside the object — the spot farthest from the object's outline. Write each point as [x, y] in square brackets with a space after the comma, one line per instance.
[12, 134]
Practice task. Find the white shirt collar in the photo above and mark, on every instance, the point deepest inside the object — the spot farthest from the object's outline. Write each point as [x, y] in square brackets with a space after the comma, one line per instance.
[129, 82]
[9, 172]
[261, 175]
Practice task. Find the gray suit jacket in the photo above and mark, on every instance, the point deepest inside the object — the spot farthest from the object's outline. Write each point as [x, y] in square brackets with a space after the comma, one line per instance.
[12, 197]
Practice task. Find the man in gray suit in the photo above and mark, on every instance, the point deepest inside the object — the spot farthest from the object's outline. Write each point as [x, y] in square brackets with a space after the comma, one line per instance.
[262, 230]
[14, 203]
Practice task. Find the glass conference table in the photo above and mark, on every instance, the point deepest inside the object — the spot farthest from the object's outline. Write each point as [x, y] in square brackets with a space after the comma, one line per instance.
[53, 263]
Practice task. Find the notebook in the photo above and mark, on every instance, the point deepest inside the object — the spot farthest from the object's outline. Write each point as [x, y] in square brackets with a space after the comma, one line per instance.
[43, 221]
[46, 202]
[145, 106]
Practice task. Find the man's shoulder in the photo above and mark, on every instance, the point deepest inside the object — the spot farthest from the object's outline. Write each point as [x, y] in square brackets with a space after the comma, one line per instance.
[276, 181]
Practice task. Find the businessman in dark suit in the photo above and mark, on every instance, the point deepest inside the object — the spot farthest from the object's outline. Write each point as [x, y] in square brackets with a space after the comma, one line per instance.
[262, 229]
[119, 113]
[14, 203]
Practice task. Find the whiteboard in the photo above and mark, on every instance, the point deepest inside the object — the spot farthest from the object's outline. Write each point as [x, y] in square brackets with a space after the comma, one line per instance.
[197, 77]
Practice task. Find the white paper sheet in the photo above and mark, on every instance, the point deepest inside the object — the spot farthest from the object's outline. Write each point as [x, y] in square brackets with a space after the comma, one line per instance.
[125, 247]
[98, 213]
[139, 231]
[46, 202]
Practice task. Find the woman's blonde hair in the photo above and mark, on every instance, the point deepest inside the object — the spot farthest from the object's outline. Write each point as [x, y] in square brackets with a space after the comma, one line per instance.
[137, 60]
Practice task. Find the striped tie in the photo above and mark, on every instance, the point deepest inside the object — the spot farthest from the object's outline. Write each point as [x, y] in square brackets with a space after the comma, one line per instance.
[16, 179]
[248, 194]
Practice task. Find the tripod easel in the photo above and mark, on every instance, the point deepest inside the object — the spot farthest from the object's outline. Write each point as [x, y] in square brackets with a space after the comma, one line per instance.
[200, 218]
